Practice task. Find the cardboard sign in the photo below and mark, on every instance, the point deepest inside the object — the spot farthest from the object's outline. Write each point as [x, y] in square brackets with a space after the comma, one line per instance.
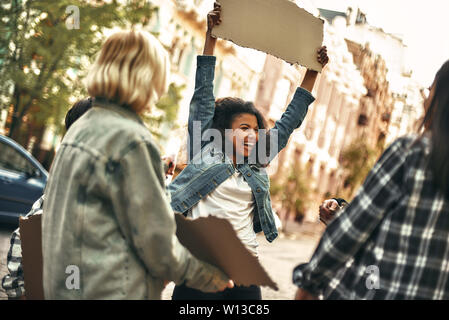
[31, 242]
[213, 240]
[277, 27]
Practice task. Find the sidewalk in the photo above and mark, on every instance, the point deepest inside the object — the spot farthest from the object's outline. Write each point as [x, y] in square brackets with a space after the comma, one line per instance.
[295, 230]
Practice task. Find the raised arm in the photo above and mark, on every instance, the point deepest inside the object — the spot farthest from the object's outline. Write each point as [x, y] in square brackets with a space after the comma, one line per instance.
[296, 111]
[202, 105]
[213, 19]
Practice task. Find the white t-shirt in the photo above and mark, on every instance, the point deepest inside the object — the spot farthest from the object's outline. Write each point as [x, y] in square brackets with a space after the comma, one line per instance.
[232, 200]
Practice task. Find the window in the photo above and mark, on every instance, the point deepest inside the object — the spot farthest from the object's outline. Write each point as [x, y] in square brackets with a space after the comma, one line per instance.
[321, 140]
[12, 160]
[157, 26]
[281, 93]
[310, 165]
[322, 179]
[189, 58]
[363, 120]
[298, 153]
[332, 149]
[331, 187]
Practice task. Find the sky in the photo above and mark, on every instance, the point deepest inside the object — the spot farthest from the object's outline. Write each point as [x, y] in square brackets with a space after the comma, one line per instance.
[423, 25]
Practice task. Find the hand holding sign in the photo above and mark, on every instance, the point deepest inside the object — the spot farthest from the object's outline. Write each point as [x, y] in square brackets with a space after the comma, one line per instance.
[214, 17]
[277, 27]
[214, 241]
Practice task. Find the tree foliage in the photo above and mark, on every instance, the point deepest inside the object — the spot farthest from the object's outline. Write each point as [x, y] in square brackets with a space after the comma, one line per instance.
[43, 56]
[166, 111]
[357, 160]
[294, 192]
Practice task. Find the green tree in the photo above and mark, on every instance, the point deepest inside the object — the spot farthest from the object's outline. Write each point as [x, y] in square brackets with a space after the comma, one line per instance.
[44, 54]
[357, 160]
[166, 112]
[293, 192]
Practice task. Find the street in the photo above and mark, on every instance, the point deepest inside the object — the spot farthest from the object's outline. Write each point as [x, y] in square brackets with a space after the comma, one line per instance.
[278, 258]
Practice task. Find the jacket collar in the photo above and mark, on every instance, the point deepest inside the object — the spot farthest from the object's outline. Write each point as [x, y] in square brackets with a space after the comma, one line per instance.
[123, 109]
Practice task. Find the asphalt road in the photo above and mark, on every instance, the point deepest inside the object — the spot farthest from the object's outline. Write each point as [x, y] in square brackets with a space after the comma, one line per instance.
[278, 258]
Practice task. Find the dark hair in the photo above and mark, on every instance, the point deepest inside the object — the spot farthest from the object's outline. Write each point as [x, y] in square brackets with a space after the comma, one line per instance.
[226, 109]
[437, 116]
[76, 111]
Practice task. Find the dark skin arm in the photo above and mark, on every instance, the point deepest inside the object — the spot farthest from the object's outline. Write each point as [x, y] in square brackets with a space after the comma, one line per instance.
[213, 19]
[309, 79]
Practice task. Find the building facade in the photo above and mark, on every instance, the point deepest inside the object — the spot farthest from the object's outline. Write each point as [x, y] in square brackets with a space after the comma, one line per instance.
[364, 94]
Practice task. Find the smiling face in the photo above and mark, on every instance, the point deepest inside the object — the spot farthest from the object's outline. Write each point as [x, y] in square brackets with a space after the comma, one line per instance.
[244, 133]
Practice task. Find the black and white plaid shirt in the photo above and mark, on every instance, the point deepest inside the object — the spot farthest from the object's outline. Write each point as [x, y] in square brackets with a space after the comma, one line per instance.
[13, 282]
[392, 240]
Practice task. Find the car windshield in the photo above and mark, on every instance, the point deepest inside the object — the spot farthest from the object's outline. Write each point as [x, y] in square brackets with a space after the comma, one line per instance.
[13, 160]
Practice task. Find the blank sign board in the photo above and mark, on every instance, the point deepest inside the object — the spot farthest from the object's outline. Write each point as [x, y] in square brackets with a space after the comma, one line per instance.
[213, 240]
[277, 27]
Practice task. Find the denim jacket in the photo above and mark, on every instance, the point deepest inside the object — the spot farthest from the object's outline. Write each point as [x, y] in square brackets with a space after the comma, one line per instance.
[106, 215]
[210, 167]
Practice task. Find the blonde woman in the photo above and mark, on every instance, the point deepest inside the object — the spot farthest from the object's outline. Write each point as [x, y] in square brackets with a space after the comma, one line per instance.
[108, 231]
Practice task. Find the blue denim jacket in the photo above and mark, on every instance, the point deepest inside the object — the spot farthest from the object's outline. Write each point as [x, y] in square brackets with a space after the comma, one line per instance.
[210, 167]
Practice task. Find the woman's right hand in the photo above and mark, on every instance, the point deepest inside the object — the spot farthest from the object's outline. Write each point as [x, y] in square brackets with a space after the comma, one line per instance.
[214, 17]
[328, 210]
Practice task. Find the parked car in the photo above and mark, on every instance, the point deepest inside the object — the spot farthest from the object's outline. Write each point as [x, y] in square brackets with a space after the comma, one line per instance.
[22, 180]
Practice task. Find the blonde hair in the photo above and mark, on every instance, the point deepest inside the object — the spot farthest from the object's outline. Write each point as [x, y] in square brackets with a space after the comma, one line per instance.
[132, 68]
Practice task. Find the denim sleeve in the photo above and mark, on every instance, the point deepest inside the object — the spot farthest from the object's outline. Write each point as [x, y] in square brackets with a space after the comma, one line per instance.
[148, 222]
[202, 105]
[291, 119]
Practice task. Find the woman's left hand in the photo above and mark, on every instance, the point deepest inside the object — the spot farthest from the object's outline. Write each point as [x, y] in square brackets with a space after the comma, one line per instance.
[328, 210]
[322, 57]
[311, 75]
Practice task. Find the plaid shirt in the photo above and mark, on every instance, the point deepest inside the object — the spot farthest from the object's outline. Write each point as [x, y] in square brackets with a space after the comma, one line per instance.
[392, 240]
[13, 283]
